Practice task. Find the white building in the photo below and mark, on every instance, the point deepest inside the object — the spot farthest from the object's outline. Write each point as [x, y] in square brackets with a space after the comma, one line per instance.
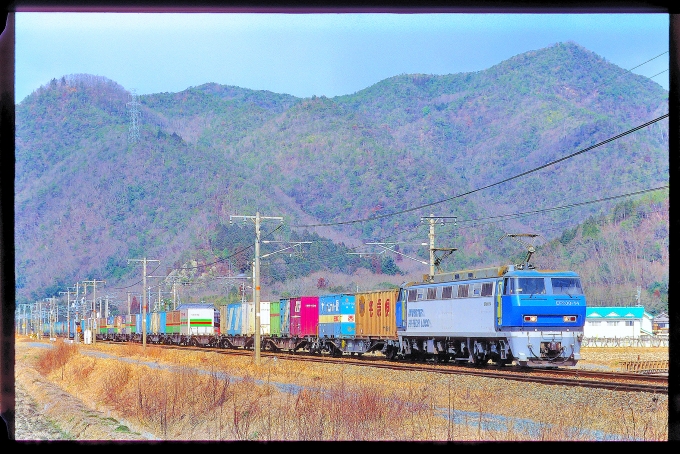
[619, 322]
[660, 324]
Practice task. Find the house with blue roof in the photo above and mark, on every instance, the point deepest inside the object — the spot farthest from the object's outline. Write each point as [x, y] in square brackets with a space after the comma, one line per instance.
[619, 322]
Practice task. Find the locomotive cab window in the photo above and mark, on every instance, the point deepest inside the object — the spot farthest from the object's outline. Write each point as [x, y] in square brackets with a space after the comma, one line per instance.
[531, 286]
[510, 286]
[525, 286]
[566, 286]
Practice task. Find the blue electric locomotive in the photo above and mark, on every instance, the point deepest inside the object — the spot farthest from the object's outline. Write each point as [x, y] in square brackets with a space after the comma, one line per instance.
[505, 314]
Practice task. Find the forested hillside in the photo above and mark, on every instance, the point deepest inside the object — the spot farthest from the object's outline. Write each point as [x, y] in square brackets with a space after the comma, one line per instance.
[524, 146]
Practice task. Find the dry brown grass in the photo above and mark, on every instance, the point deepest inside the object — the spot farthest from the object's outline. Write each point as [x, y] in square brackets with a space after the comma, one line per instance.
[612, 357]
[56, 358]
[206, 396]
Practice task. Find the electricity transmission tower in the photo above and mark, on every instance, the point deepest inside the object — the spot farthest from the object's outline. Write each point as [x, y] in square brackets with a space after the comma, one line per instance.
[133, 106]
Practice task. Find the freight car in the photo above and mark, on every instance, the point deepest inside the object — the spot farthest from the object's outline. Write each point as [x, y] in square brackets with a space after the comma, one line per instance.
[188, 325]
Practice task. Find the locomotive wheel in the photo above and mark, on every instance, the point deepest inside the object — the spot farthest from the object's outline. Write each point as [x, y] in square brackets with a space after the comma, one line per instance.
[479, 361]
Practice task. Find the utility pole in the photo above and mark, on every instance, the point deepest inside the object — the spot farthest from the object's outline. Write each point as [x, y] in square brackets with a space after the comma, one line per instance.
[94, 307]
[87, 313]
[54, 310]
[241, 286]
[76, 336]
[434, 260]
[157, 307]
[25, 319]
[256, 275]
[50, 316]
[40, 320]
[68, 307]
[144, 262]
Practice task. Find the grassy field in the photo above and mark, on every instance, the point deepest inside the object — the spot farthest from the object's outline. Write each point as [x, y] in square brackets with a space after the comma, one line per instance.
[179, 395]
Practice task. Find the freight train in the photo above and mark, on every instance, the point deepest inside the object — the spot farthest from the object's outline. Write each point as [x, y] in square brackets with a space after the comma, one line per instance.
[512, 314]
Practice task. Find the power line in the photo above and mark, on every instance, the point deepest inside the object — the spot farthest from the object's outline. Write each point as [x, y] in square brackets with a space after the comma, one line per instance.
[494, 219]
[536, 169]
[563, 207]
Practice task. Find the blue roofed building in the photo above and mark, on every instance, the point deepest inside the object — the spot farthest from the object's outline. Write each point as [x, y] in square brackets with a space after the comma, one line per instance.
[619, 322]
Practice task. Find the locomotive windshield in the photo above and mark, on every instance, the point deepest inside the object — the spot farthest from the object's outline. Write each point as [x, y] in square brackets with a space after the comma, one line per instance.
[537, 286]
[525, 286]
[566, 285]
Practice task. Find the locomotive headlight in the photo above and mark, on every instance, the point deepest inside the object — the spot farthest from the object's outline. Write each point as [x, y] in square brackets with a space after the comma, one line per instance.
[530, 318]
[569, 318]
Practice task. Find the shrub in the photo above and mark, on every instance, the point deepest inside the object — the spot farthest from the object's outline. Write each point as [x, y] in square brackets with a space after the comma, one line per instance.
[56, 357]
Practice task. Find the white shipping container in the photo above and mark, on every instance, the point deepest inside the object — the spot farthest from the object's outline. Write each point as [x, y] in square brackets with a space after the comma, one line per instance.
[248, 318]
[265, 322]
[197, 320]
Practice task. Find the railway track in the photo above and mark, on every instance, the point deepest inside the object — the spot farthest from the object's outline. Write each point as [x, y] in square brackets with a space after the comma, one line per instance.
[615, 381]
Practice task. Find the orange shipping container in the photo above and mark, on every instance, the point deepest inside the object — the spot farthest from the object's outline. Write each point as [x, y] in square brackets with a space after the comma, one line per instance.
[375, 315]
[172, 322]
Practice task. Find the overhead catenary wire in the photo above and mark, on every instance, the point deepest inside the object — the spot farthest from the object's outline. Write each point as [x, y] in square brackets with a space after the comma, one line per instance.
[478, 222]
[535, 169]
[495, 219]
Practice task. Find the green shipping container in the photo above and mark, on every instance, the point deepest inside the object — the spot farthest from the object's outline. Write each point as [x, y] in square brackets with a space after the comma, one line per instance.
[275, 318]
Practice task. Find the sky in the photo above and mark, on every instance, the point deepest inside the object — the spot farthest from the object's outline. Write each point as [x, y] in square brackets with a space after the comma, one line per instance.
[328, 54]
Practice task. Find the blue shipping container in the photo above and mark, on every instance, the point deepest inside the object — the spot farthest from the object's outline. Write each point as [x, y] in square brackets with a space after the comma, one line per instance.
[285, 316]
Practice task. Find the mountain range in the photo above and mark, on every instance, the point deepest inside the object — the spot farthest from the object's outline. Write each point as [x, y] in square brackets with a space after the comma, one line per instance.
[543, 143]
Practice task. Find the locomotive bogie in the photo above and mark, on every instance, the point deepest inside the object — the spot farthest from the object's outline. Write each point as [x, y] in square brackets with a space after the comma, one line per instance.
[546, 348]
[459, 349]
